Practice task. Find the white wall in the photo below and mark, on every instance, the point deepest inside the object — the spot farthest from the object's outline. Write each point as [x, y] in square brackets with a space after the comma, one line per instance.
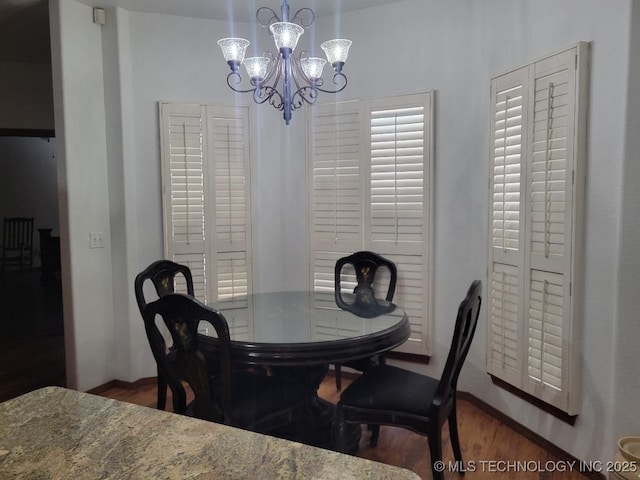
[455, 48]
[79, 106]
[452, 47]
[145, 62]
[627, 330]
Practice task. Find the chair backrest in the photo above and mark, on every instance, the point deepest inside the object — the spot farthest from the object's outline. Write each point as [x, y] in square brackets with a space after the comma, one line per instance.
[365, 265]
[18, 233]
[162, 274]
[465, 327]
[181, 315]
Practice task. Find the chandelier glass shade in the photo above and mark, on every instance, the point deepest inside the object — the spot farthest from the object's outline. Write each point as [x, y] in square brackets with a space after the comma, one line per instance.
[285, 80]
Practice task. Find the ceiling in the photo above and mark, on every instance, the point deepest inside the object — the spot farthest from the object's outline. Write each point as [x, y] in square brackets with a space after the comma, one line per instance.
[236, 10]
[24, 24]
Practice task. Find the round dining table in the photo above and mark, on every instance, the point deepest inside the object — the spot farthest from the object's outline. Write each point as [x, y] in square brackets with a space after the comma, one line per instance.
[298, 334]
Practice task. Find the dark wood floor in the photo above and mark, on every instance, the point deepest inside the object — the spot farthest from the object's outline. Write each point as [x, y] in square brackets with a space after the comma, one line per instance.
[31, 333]
[485, 443]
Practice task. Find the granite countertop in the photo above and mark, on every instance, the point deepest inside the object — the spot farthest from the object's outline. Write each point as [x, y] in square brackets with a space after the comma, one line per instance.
[56, 433]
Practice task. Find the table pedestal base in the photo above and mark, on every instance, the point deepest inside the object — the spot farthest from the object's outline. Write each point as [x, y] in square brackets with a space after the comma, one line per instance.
[318, 428]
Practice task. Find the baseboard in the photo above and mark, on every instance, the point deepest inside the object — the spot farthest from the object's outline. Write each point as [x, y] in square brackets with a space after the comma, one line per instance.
[121, 384]
[530, 435]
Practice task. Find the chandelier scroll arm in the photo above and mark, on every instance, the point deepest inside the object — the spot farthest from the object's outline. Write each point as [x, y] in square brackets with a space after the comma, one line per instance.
[262, 94]
[265, 16]
[237, 79]
[338, 79]
[306, 94]
[304, 17]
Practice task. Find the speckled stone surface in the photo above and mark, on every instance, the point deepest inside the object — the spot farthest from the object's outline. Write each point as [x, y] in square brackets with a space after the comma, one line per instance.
[55, 433]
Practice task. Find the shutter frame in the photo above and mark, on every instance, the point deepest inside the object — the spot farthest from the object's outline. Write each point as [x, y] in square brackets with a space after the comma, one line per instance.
[191, 252]
[324, 251]
[551, 194]
[505, 329]
[207, 258]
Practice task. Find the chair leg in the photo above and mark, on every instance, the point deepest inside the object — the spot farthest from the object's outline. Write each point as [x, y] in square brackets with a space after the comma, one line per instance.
[338, 373]
[453, 433]
[340, 432]
[435, 449]
[375, 434]
[162, 392]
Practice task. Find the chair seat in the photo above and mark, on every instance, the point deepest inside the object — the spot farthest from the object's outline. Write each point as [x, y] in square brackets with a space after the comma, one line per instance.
[385, 387]
[388, 395]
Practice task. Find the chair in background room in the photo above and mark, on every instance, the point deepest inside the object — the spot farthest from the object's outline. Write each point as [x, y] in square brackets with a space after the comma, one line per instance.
[242, 398]
[162, 274]
[388, 395]
[17, 242]
[363, 301]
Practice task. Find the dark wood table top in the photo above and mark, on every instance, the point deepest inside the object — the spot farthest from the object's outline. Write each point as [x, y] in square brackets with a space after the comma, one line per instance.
[305, 328]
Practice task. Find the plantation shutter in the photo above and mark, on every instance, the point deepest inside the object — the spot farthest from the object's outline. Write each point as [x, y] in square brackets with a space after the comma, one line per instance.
[536, 179]
[369, 176]
[550, 226]
[506, 249]
[206, 197]
[336, 210]
[231, 223]
[183, 167]
[398, 193]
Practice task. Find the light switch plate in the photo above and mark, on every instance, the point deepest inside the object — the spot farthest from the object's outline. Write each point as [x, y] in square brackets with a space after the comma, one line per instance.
[96, 240]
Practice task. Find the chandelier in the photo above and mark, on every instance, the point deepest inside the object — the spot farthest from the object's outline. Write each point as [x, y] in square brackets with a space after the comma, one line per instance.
[285, 80]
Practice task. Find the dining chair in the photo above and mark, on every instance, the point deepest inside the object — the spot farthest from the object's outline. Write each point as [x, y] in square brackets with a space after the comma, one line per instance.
[247, 399]
[363, 302]
[388, 395]
[163, 275]
[17, 242]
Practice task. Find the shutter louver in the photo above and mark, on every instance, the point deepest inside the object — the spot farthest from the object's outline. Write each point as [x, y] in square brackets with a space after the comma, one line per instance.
[231, 205]
[336, 184]
[196, 263]
[399, 202]
[546, 330]
[411, 294]
[336, 192]
[506, 249]
[504, 330]
[370, 190]
[206, 198]
[507, 144]
[550, 223]
[233, 281]
[183, 149]
[549, 165]
[323, 268]
[397, 174]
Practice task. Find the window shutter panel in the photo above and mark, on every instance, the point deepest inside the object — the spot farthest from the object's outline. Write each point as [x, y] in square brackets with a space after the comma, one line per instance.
[183, 170]
[534, 257]
[550, 206]
[206, 199]
[370, 189]
[230, 202]
[509, 100]
[336, 189]
[504, 332]
[398, 202]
